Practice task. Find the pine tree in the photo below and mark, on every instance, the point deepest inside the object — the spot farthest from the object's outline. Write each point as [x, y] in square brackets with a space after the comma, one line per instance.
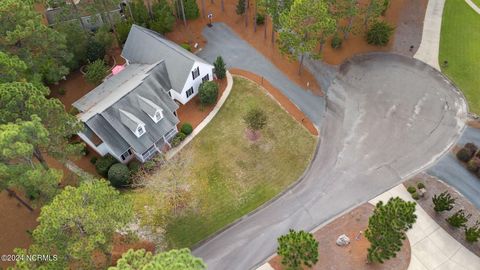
[443, 202]
[173, 259]
[387, 227]
[298, 249]
[219, 65]
[191, 9]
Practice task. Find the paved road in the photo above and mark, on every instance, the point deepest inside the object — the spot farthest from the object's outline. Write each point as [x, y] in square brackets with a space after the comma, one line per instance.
[387, 118]
[452, 172]
[239, 54]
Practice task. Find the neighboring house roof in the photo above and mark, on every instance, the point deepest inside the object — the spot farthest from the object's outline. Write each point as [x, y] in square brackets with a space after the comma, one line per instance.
[145, 46]
[114, 109]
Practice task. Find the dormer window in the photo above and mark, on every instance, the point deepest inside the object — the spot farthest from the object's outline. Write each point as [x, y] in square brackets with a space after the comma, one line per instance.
[140, 131]
[158, 116]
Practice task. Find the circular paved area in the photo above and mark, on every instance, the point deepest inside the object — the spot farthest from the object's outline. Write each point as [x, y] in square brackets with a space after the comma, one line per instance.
[387, 117]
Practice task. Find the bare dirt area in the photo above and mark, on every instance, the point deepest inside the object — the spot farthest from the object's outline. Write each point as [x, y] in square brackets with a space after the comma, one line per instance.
[261, 39]
[16, 221]
[284, 102]
[436, 186]
[193, 112]
[353, 256]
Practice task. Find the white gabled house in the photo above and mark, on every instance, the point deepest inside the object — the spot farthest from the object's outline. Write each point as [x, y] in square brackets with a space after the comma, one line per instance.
[133, 113]
[186, 70]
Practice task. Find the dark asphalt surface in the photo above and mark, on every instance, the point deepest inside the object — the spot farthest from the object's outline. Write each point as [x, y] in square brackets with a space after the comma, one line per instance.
[388, 117]
[449, 169]
[239, 54]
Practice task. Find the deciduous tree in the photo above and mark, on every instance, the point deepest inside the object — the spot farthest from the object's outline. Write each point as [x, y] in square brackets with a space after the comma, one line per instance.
[387, 227]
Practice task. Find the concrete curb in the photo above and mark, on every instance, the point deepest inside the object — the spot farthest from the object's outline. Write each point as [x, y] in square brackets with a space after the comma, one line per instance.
[205, 121]
[473, 6]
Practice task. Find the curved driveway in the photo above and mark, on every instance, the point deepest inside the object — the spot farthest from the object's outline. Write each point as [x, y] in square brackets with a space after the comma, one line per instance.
[387, 117]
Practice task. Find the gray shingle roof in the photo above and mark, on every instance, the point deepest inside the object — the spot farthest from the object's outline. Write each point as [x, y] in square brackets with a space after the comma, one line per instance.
[102, 111]
[146, 47]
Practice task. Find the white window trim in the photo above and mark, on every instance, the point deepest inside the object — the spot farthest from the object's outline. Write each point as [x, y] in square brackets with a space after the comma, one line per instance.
[140, 130]
[157, 116]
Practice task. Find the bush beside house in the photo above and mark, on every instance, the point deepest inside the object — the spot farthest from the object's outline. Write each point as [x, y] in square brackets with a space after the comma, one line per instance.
[119, 175]
[208, 93]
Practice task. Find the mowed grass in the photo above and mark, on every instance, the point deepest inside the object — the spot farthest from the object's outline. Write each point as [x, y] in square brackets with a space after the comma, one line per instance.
[460, 46]
[229, 175]
[476, 2]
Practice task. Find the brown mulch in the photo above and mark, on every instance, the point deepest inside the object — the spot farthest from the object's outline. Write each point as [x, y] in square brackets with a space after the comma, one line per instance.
[436, 186]
[193, 34]
[280, 98]
[353, 256]
[193, 112]
[474, 123]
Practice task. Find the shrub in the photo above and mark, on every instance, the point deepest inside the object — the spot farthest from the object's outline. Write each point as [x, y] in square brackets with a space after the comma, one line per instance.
[104, 37]
[85, 151]
[459, 219]
[415, 196]
[420, 185]
[255, 119]
[472, 234]
[73, 111]
[163, 17]
[191, 9]
[260, 19]
[134, 166]
[123, 29]
[119, 175]
[298, 249]
[103, 164]
[240, 8]
[379, 33]
[61, 91]
[178, 139]
[472, 165]
[220, 70]
[464, 155]
[443, 202]
[93, 160]
[186, 128]
[471, 146]
[411, 189]
[336, 41]
[95, 50]
[96, 72]
[208, 92]
[186, 46]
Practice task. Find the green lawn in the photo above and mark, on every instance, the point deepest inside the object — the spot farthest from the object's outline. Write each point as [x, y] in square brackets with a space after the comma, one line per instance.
[226, 175]
[476, 2]
[460, 46]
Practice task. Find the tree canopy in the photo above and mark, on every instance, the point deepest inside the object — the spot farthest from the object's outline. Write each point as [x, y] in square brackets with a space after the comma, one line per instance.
[171, 260]
[298, 248]
[78, 222]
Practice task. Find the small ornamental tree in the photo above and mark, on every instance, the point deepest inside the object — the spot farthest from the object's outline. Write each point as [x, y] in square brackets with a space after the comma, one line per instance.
[379, 33]
[119, 175]
[95, 50]
[208, 92]
[172, 260]
[240, 9]
[459, 219]
[472, 234]
[443, 202]
[220, 70]
[298, 249]
[96, 72]
[256, 119]
[387, 227]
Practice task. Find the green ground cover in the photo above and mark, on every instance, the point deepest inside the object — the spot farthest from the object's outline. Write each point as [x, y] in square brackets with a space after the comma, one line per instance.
[222, 175]
[460, 46]
[476, 2]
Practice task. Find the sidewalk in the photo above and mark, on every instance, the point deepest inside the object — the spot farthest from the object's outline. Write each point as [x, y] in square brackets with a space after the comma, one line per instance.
[430, 46]
[473, 6]
[432, 247]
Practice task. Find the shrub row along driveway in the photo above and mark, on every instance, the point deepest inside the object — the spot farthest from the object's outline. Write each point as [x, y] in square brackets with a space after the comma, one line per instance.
[387, 117]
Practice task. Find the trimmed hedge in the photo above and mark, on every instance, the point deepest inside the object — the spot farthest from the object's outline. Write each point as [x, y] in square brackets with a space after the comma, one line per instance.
[420, 185]
[411, 189]
[208, 92]
[119, 175]
[103, 164]
[186, 129]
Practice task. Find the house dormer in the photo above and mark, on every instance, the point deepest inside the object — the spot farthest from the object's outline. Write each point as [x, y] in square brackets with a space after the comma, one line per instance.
[150, 108]
[133, 123]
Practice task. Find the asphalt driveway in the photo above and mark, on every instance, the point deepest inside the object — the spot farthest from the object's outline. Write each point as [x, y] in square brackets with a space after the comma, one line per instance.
[239, 54]
[387, 118]
[449, 169]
